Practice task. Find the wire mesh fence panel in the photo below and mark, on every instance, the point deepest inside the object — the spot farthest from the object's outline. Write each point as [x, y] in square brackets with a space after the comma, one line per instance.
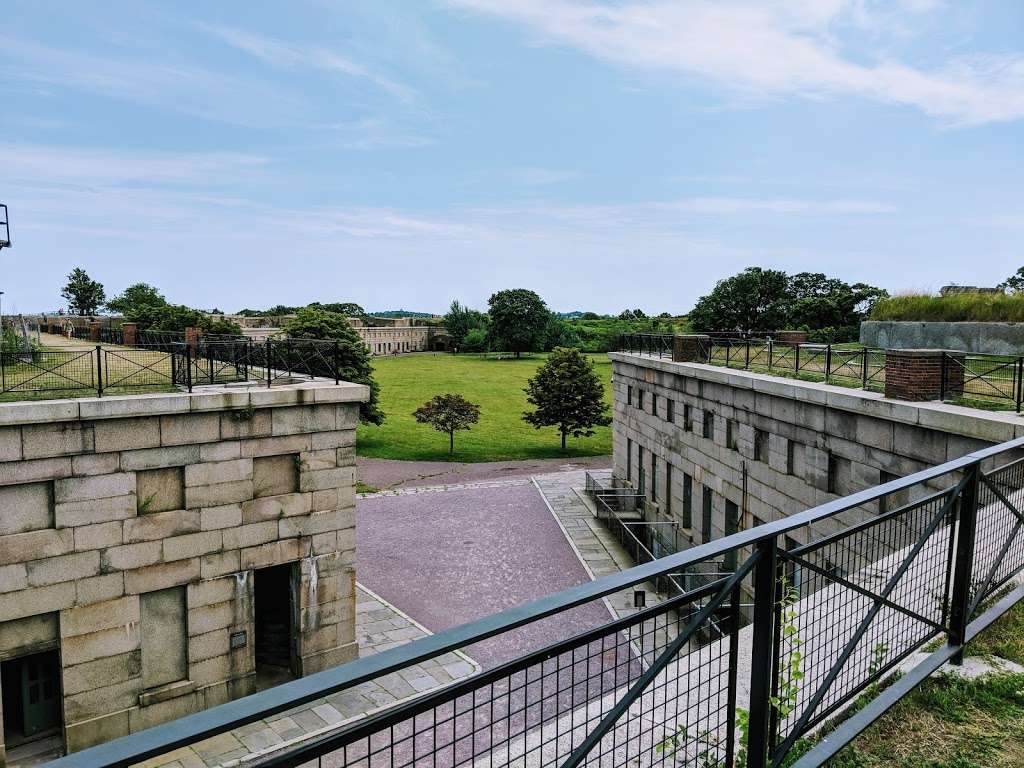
[137, 367]
[42, 370]
[999, 540]
[856, 604]
[972, 376]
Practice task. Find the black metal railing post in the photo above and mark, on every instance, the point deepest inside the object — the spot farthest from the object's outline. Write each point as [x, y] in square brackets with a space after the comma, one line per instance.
[746, 358]
[864, 368]
[771, 352]
[963, 561]
[99, 370]
[1020, 381]
[209, 361]
[188, 366]
[336, 362]
[828, 362]
[270, 360]
[763, 655]
[734, 662]
[796, 368]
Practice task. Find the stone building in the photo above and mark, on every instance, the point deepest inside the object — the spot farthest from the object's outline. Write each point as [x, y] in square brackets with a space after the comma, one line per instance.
[718, 450]
[160, 554]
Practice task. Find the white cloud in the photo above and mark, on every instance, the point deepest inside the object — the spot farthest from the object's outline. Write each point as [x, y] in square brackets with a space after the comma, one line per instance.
[770, 48]
[285, 55]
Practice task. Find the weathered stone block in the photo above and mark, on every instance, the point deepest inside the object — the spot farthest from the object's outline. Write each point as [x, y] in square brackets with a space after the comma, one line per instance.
[95, 464]
[43, 441]
[160, 490]
[216, 518]
[225, 451]
[95, 487]
[219, 564]
[218, 472]
[55, 597]
[303, 418]
[327, 478]
[99, 588]
[271, 553]
[209, 592]
[245, 423]
[80, 565]
[15, 472]
[275, 475]
[161, 525]
[130, 556]
[35, 545]
[10, 444]
[26, 507]
[191, 545]
[250, 535]
[216, 495]
[208, 618]
[99, 536]
[276, 507]
[76, 513]
[88, 733]
[154, 458]
[276, 446]
[96, 674]
[127, 434]
[13, 577]
[29, 634]
[189, 428]
[106, 615]
[161, 576]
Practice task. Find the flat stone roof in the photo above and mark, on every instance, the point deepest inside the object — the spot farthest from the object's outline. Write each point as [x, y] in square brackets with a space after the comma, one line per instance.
[993, 426]
[219, 397]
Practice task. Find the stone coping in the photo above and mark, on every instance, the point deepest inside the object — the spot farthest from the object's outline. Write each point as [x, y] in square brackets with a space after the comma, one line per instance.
[992, 426]
[204, 398]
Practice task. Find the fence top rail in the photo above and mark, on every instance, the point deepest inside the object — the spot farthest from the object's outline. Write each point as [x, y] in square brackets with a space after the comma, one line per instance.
[195, 727]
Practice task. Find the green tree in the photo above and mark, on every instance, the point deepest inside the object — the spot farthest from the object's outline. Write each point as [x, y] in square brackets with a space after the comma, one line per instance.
[136, 297]
[519, 319]
[353, 356]
[347, 308]
[754, 300]
[460, 320]
[448, 413]
[475, 341]
[567, 393]
[84, 295]
[1014, 283]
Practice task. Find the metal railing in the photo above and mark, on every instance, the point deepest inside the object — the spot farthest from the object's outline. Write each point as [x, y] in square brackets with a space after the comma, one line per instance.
[163, 363]
[829, 620]
[964, 376]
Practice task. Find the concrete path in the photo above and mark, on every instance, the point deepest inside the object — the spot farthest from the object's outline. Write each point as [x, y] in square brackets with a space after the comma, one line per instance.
[388, 474]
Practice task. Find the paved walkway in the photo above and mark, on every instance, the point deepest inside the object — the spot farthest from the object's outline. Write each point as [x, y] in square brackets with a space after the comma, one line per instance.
[390, 474]
[379, 626]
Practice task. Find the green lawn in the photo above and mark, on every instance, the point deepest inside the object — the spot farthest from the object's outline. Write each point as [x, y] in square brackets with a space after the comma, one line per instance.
[496, 385]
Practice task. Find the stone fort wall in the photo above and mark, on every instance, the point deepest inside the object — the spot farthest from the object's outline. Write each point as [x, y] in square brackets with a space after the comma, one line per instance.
[134, 529]
[723, 450]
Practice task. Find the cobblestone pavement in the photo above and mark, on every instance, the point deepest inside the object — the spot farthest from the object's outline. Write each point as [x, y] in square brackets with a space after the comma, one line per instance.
[379, 626]
[450, 558]
[389, 474]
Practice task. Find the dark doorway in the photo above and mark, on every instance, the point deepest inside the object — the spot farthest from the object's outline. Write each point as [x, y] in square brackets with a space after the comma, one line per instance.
[275, 625]
[31, 697]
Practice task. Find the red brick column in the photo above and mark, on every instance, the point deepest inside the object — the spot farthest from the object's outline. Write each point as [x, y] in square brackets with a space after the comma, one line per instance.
[691, 348]
[130, 334]
[916, 374]
[192, 336]
[94, 330]
[791, 337]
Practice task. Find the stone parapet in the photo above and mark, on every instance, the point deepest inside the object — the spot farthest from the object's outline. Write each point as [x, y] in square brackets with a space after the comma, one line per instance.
[923, 374]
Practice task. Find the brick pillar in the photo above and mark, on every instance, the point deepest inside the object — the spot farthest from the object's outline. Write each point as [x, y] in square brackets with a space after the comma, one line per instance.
[94, 330]
[130, 334]
[916, 374]
[192, 336]
[691, 348]
[791, 337]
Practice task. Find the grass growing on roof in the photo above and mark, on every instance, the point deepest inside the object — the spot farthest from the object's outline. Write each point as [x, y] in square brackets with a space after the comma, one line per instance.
[965, 307]
[496, 385]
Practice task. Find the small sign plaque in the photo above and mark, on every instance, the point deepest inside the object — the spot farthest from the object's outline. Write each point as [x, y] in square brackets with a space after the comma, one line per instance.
[238, 639]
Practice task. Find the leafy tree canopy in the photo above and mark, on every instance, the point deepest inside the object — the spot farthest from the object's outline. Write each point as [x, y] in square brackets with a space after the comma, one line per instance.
[84, 295]
[519, 320]
[347, 308]
[567, 393]
[763, 300]
[353, 355]
[448, 413]
[1014, 283]
[139, 295]
[460, 320]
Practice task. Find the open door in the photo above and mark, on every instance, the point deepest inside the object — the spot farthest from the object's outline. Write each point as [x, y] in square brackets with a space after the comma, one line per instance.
[275, 625]
[31, 697]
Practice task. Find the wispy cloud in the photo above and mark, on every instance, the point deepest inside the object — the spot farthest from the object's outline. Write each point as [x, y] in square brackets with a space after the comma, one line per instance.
[771, 48]
[281, 54]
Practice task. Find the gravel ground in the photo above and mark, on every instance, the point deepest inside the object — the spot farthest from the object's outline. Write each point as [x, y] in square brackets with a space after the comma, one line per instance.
[388, 473]
[448, 558]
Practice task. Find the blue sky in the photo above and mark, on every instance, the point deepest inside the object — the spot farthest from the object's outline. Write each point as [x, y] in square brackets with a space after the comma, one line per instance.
[402, 153]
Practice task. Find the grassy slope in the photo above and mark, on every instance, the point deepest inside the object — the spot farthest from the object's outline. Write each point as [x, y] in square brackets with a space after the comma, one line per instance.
[947, 723]
[497, 385]
[978, 307]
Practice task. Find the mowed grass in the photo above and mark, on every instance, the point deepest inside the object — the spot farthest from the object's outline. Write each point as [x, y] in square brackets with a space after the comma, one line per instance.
[496, 385]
